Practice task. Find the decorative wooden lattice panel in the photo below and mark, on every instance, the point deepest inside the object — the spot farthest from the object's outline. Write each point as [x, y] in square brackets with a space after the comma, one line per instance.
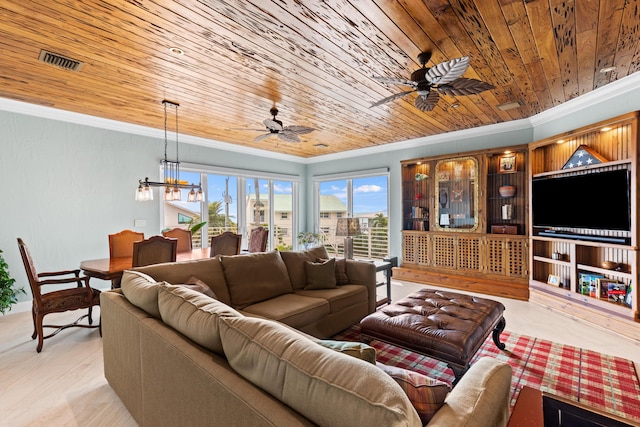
[495, 256]
[468, 253]
[444, 251]
[409, 249]
[517, 261]
[423, 254]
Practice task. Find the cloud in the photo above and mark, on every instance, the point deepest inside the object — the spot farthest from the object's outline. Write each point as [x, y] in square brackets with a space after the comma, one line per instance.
[368, 189]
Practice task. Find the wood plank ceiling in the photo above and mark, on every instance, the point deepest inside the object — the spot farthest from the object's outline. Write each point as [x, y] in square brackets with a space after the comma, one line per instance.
[314, 59]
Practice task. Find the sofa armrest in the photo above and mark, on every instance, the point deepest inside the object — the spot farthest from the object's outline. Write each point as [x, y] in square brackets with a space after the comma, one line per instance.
[480, 398]
[363, 273]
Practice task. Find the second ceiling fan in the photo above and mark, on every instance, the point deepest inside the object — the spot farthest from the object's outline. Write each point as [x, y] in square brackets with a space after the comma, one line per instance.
[286, 133]
[428, 83]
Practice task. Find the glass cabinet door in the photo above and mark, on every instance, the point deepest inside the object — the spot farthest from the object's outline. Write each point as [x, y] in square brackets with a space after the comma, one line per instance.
[456, 194]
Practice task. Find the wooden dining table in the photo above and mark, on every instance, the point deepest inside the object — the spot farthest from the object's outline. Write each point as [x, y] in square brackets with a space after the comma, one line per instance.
[112, 268]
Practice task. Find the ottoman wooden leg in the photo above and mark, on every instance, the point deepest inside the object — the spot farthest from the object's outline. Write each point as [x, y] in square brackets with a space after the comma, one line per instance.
[496, 333]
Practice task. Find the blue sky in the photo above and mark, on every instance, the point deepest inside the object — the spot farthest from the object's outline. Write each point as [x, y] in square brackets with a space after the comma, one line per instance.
[369, 194]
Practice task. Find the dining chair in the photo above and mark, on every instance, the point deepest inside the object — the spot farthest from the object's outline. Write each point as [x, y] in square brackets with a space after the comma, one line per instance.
[226, 243]
[121, 244]
[154, 250]
[183, 236]
[258, 239]
[59, 300]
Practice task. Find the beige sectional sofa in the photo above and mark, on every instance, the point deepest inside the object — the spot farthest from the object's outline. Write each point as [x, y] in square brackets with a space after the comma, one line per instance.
[177, 357]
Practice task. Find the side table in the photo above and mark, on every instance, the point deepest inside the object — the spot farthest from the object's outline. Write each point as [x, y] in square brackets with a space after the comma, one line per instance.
[386, 266]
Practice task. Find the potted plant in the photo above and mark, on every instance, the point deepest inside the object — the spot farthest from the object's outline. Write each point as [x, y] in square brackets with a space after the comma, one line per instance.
[8, 295]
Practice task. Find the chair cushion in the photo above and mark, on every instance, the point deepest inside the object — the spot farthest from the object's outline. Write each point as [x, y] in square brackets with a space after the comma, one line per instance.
[327, 387]
[426, 394]
[255, 277]
[193, 314]
[320, 275]
[296, 267]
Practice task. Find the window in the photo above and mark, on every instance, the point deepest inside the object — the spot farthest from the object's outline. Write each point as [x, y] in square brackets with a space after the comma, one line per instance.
[238, 201]
[363, 195]
[184, 219]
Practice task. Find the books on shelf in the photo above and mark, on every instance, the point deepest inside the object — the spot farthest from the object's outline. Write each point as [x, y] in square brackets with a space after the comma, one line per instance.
[588, 284]
[601, 287]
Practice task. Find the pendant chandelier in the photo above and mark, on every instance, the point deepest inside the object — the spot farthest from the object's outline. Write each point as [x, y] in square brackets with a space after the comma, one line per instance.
[171, 168]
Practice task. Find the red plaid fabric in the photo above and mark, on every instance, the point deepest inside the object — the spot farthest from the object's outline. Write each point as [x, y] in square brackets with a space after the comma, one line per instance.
[607, 383]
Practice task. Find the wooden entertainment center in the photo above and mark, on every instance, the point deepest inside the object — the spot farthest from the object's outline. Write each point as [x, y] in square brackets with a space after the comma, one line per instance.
[458, 233]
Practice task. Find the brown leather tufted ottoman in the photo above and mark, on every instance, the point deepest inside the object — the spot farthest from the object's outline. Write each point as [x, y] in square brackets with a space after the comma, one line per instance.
[444, 325]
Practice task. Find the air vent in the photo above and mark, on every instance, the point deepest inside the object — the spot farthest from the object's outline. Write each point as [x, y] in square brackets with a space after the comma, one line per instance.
[60, 61]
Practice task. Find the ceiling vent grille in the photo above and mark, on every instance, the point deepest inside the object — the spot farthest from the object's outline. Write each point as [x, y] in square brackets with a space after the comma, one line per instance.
[60, 61]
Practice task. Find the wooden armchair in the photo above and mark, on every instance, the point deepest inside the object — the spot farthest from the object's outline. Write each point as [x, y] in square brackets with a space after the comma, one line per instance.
[154, 250]
[184, 238]
[77, 297]
[121, 244]
[226, 243]
[258, 239]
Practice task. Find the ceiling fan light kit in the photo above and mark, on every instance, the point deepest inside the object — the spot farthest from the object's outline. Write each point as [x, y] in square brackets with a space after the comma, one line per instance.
[171, 168]
[428, 83]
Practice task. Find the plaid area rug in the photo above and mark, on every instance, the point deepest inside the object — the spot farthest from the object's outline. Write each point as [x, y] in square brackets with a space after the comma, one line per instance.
[604, 382]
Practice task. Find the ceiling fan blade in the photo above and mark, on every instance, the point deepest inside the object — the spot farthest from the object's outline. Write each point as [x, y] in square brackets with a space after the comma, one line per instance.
[391, 98]
[288, 136]
[261, 137]
[272, 124]
[427, 103]
[464, 86]
[300, 130]
[395, 81]
[448, 71]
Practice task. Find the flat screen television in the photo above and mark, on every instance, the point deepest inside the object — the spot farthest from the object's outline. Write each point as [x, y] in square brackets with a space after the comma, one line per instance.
[598, 200]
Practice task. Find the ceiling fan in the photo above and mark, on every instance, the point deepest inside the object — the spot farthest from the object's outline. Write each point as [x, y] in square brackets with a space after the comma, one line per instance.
[286, 133]
[428, 82]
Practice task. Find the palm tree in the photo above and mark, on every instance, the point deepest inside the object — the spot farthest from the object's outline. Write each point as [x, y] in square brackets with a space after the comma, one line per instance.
[379, 221]
[216, 217]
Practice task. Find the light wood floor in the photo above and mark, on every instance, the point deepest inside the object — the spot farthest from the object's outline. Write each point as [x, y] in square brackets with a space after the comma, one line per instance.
[64, 385]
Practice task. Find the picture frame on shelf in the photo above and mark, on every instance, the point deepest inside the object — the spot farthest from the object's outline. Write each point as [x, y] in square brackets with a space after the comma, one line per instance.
[507, 163]
[553, 280]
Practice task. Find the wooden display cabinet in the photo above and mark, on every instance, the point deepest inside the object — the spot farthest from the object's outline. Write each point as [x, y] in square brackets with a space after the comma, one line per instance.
[454, 231]
[570, 272]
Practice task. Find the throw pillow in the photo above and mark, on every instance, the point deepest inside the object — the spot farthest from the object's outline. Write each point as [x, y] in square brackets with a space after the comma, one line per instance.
[426, 394]
[354, 349]
[193, 314]
[320, 275]
[198, 285]
[327, 387]
[295, 264]
[341, 270]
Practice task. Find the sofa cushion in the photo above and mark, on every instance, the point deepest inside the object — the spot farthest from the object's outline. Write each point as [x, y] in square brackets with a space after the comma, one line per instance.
[358, 350]
[193, 314]
[426, 394]
[320, 275]
[295, 264]
[339, 298]
[341, 272]
[208, 270]
[141, 290]
[291, 309]
[255, 277]
[329, 388]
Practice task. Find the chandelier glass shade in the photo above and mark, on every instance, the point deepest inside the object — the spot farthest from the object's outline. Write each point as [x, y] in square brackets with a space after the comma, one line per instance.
[171, 168]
